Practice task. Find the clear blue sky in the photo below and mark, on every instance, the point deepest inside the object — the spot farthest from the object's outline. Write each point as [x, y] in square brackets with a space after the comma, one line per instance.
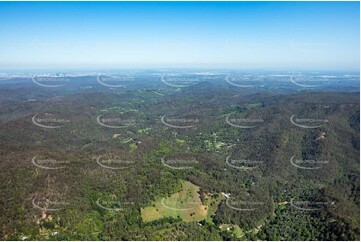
[270, 35]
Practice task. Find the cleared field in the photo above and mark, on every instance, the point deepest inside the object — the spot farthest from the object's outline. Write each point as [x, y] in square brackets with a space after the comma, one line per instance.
[233, 228]
[185, 204]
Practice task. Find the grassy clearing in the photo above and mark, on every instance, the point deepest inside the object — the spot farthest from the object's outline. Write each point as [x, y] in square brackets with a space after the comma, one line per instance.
[233, 228]
[185, 204]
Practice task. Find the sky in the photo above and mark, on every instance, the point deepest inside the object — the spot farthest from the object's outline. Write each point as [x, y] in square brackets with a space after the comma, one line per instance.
[245, 35]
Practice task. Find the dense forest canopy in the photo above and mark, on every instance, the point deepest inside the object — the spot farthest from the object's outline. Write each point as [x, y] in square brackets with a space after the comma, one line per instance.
[149, 156]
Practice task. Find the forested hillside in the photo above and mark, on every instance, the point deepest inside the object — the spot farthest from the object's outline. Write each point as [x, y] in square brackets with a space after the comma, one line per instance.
[201, 162]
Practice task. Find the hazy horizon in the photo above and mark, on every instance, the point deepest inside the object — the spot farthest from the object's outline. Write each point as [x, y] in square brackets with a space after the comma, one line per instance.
[287, 36]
